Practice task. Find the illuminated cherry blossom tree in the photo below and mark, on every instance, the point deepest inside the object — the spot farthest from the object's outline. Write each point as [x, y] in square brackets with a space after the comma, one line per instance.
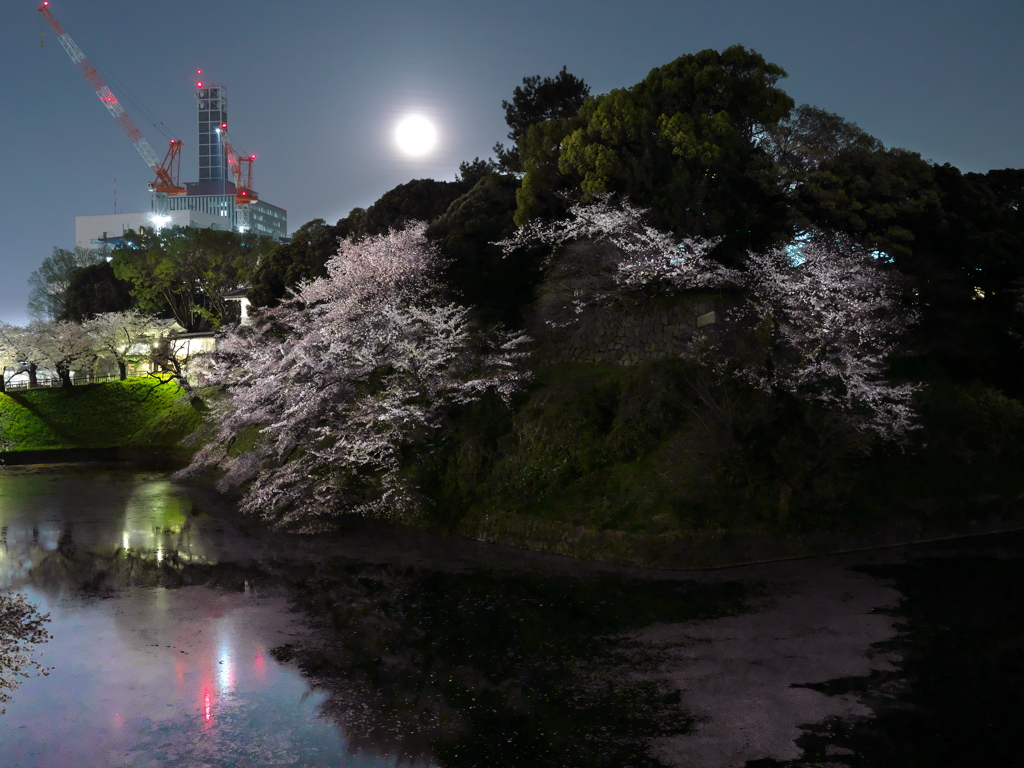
[61, 346]
[125, 337]
[330, 388]
[647, 257]
[12, 351]
[832, 317]
[825, 312]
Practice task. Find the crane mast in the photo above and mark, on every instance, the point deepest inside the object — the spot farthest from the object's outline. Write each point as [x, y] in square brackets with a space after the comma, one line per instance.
[241, 170]
[167, 172]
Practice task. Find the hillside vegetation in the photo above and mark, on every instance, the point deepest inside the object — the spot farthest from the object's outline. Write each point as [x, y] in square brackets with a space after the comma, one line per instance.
[623, 463]
[682, 317]
[137, 413]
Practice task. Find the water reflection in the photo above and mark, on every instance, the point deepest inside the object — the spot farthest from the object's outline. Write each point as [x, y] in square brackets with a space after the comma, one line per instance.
[45, 513]
[159, 652]
[483, 669]
[167, 651]
[139, 679]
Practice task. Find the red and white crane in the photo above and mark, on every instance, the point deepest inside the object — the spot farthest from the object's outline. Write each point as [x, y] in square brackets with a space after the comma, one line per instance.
[167, 172]
[241, 171]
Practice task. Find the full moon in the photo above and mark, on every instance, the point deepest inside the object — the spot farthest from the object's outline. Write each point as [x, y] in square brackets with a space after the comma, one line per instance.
[415, 135]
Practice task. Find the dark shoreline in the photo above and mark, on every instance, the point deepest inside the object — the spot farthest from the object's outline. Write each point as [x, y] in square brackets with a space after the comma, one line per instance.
[616, 549]
[161, 459]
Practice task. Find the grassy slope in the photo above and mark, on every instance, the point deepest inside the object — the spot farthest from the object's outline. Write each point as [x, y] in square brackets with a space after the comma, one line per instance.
[137, 413]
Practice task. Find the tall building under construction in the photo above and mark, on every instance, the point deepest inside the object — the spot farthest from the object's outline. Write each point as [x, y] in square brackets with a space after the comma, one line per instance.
[215, 193]
[211, 202]
[214, 201]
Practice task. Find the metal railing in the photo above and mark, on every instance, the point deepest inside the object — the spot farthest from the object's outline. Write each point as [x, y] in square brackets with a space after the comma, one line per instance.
[44, 382]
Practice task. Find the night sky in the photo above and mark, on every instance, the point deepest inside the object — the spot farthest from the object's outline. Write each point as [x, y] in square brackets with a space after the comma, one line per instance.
[315, 87]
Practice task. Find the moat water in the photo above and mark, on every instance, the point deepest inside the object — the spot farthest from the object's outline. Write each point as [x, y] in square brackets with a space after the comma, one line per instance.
[185, 635]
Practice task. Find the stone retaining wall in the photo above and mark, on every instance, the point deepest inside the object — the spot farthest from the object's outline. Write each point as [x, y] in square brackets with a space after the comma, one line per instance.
[623, 335]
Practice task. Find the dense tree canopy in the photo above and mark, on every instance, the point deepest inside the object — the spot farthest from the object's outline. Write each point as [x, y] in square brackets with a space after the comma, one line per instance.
[545, 186]
[536, 101]
[683, 143]
[94, 290]
[286, 265]
[417, 200]
[477, 271]
[967, 260]
[877, 196]
[189, 271]
[472, 171]
[811, 137]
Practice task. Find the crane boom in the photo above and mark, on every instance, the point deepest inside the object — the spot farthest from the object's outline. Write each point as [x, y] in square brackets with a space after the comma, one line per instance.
[166, 182]
[241, 169]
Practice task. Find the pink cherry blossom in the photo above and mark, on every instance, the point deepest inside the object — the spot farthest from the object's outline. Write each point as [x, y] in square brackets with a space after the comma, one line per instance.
[330, 388]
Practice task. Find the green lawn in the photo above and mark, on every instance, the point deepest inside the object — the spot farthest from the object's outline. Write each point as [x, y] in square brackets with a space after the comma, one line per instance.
[137, 413]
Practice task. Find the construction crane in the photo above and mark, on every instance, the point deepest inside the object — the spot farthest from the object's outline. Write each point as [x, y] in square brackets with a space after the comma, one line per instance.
[241, 170]
[167, 172]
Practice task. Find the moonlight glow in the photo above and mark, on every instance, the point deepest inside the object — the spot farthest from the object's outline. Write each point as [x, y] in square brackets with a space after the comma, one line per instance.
[415, 135]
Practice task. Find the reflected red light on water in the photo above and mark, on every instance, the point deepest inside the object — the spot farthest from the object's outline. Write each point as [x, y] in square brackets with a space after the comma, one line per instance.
[261, 665]
[207, 707]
